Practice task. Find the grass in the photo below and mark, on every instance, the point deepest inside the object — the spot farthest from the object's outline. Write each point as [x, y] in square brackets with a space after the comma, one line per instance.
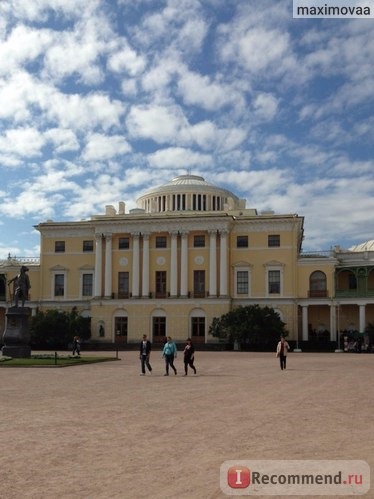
[52, 361]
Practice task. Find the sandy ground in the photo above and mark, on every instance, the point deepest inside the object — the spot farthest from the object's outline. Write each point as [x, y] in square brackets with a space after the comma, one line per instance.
[103, 431]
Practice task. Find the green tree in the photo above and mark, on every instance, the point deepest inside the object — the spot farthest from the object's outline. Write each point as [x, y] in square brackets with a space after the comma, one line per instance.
[56, 329]
[253, 327]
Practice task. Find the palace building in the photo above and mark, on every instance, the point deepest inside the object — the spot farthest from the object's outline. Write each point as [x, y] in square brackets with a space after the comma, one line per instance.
[189, 252]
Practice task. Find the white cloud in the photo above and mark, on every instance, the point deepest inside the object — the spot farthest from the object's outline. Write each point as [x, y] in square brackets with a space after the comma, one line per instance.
[159, 123]
[177, 157]
[26, 142]
[101, 147]
[62, 139]
[126, 60]
[265, 106]
[199, 90]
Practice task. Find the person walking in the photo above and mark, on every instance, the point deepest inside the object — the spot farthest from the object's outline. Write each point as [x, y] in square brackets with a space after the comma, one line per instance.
[169, 353]
[282, 350]
[76, 345]
[144, 354]
[189, 357]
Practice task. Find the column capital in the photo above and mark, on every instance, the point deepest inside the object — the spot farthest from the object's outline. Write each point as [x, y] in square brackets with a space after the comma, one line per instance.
[98, 236]
[135, 235]
[108, 236]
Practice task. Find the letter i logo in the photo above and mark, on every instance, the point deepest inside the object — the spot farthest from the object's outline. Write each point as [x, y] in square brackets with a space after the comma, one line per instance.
[238, 477]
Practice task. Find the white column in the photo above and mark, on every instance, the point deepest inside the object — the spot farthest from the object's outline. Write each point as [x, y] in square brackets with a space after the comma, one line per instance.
[305, 322]
[108, 266]
[98, 263]
[135, 265]
[145, 277]
[223, 264]
[213, 263]
[184, 264]
[173, 265]
[362, 319]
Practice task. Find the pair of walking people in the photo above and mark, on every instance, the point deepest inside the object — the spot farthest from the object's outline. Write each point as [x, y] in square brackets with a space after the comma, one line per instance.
[169, 353]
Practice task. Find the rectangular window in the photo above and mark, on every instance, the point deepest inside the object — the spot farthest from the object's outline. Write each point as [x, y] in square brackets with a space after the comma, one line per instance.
[199, 241]
[161, 284]
[159, 327]
[199, 283]
[124, 243]
[88, 246]
[123, 284]
[242, 242]
[59, 246]
[59, 285]
[161, 242]
[274, 281]
[274, 241]
[198, 327]
[121, 325]
[242, 282]
[87, 280]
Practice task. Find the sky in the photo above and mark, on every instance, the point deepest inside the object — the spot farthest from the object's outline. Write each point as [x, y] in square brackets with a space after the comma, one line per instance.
[101, 100]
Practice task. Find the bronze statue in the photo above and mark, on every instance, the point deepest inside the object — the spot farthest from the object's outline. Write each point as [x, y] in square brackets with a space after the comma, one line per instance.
[21, 286]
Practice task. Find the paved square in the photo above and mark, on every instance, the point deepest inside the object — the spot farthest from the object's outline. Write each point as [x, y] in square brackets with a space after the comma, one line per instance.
[104, 431]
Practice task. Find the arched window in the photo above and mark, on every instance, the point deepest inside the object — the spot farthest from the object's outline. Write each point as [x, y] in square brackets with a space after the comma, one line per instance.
[317, 285]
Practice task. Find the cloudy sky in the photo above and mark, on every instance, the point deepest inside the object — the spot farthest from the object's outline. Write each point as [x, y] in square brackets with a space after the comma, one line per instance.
[103, 99]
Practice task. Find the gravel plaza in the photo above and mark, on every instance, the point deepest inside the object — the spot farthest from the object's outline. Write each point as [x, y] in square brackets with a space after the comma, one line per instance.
[103, 431]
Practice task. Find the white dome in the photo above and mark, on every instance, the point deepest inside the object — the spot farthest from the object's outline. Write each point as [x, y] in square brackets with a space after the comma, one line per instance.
[367, 246]
[187, 193]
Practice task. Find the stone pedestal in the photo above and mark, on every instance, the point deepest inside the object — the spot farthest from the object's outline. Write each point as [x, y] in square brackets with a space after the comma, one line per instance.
[16, 337]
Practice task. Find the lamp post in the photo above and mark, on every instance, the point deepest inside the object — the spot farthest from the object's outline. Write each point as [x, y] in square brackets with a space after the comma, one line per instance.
[338, 350]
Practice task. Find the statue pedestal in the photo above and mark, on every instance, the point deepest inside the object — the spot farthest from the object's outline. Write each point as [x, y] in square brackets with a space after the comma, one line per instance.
[16, 337]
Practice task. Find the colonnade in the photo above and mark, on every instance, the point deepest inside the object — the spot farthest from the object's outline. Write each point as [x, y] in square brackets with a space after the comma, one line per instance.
[140, 277]
[335, 325]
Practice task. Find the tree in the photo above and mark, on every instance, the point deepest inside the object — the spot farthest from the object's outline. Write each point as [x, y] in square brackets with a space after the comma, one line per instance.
[253, 327]
[56, 329]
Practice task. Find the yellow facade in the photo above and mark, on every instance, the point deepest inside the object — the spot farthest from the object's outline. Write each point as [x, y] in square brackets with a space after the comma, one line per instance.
[165, 269]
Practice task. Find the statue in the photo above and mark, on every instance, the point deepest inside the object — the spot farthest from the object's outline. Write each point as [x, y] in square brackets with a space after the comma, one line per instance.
[16, 337]
[21, 286]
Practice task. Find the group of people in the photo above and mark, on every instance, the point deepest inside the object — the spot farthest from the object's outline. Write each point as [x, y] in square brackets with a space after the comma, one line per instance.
[169, 353]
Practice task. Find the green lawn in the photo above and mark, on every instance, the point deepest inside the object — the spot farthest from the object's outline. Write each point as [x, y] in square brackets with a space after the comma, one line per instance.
[52, 361]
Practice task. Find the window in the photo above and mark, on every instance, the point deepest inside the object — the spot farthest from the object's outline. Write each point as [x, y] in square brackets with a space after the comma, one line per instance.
[123, 284]
[59, 246]
[242, 242]
[161, 284]
[87, 245]
[198, 327]
[59, 285]
[199, 283]
[159, 327]
[199, 241]
[274, 281]
[352, 281]
[2, 287]
[317, 284]
[87, 280]
[121, 325]
[161, 242]
[242, 282]
[124, 243]
[274, 241]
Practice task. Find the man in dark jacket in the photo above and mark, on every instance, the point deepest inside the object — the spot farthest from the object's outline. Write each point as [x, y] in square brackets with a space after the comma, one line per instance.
[144, 354]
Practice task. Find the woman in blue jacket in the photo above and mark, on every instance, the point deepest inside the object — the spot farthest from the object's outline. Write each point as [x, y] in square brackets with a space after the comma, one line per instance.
[169, 353]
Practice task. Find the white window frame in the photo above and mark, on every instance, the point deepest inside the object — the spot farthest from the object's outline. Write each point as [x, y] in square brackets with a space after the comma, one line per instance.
[270, 268]
[53, 277]
[242, 268]
[81, 295]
